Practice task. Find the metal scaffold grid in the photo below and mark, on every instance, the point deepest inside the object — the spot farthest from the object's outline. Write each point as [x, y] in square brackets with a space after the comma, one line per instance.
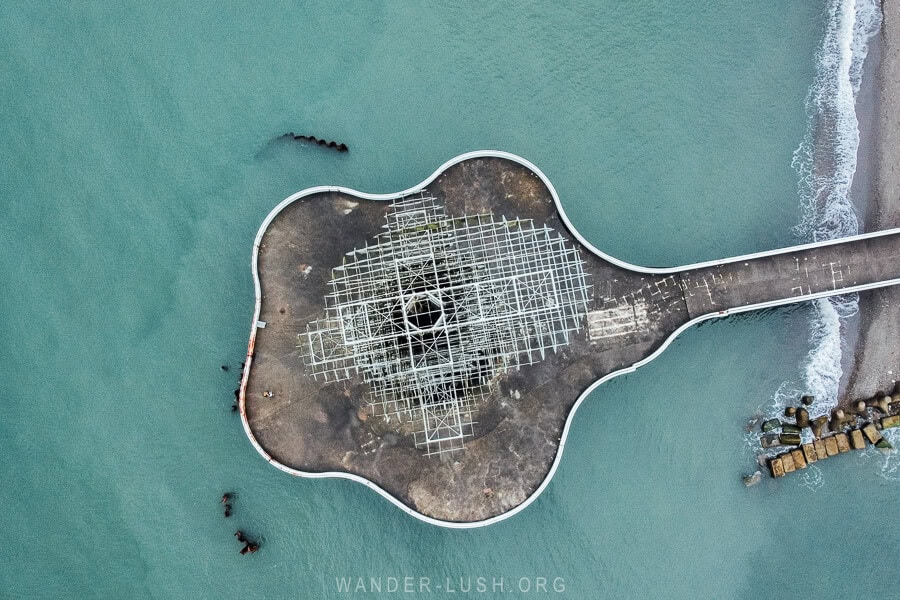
[437, 307]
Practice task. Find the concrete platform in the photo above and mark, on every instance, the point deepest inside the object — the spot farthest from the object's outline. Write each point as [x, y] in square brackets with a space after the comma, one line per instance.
[309, 428]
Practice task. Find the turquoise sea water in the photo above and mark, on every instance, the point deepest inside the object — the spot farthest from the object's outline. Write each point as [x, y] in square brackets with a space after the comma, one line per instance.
[138, 165]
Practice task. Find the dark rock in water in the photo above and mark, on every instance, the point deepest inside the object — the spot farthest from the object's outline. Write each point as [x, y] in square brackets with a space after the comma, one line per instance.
[807, 400]
[802, 418]
[790, 411]
[225, 367]
[771, 425]
[770, 441]
[790, 439]
[790, 428]
[320, 142]
[249, 548]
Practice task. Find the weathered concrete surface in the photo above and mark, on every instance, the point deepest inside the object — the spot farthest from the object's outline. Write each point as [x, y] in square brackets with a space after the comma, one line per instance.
[799, 273]
[315, 427]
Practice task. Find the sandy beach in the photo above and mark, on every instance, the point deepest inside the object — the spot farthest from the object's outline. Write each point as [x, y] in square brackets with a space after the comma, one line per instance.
[876, 367]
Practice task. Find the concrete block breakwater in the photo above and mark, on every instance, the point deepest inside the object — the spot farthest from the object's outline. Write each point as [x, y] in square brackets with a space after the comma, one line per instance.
[841, 441]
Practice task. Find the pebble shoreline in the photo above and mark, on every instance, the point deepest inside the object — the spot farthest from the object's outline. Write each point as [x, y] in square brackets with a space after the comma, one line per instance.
[876, 364]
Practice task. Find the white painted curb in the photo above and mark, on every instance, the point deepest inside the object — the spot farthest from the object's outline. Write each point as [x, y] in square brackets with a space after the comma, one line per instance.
[565, 219]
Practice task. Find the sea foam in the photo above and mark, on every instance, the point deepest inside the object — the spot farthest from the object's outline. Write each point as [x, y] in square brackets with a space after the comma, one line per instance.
[826, 163]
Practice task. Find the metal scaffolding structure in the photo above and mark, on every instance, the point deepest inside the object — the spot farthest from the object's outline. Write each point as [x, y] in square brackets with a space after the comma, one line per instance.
[438, 307]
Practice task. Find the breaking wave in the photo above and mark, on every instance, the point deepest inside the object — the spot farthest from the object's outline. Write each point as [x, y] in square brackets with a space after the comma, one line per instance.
[822, 371]
[826, 163]
[890, 468]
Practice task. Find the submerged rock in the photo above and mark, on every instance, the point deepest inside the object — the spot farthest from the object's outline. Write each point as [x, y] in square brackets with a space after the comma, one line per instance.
[883, 444]
[770, 441]
[754, 421]
[751, 480]
[807, 400]
[771, 425]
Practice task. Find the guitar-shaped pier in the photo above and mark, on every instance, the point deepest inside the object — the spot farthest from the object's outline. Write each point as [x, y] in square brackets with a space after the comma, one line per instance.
[434, 344]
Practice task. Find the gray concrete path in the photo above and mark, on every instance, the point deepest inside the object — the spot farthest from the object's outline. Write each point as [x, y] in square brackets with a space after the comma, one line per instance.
[793, 274]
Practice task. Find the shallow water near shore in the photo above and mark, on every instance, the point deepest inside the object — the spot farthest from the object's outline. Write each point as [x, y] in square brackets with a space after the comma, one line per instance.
[141, 159]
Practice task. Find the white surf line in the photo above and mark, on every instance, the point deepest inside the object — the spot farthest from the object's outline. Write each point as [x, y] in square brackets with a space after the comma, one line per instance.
[568, 224]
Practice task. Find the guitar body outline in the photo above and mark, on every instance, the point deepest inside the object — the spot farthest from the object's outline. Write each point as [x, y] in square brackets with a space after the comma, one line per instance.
[685, 279]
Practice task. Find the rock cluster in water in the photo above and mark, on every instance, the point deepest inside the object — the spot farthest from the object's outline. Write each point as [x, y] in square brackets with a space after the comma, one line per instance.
[320, 142]
[848, 429]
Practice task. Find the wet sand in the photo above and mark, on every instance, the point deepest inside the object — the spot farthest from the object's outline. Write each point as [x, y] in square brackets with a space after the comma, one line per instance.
[877, 354]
